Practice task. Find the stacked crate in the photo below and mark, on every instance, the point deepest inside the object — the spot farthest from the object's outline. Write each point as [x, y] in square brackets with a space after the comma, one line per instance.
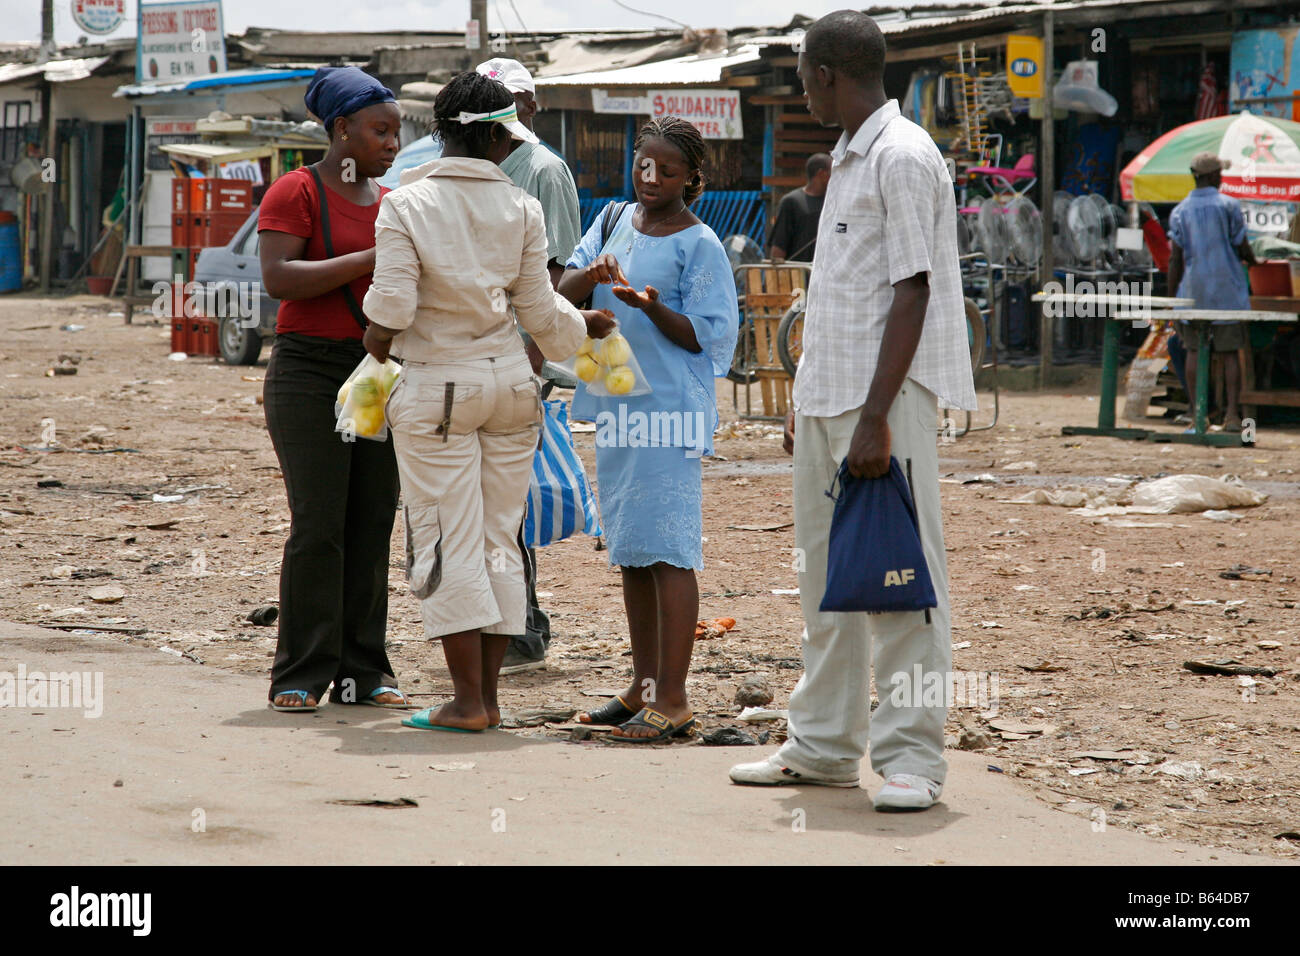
[206, 212]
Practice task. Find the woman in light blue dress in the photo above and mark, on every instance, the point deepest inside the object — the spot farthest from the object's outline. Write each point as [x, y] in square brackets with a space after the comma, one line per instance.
[668, 281]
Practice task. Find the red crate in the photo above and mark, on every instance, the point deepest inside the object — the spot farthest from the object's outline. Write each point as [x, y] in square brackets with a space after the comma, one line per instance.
[180, 334]
[181, 229]
[180, 194]
[207, 337]
[230, 195]
[220, 195]
[198, 193]
[178, 307]
[215, 228]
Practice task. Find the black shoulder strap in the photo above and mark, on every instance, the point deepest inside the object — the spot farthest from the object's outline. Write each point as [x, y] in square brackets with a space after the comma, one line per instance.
[613, 212]
[329, 246]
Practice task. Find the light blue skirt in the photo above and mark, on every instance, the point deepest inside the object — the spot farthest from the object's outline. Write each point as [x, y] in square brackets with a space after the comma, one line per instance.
[651, 506]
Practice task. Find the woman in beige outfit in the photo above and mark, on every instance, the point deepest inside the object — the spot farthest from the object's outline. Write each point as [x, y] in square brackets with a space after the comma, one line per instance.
[460, 254]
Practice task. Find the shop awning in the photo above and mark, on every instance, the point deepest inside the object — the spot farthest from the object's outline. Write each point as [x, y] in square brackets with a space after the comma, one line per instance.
[215, 152]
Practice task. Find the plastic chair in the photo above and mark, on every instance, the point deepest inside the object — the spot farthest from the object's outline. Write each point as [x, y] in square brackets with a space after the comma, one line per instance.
[1017, 179]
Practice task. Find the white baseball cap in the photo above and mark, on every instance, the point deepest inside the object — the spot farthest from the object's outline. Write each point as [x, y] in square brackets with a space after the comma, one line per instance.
[507, 116]
[513, 74]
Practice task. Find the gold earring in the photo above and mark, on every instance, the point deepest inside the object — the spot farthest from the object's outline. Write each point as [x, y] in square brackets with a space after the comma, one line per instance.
[345, 135]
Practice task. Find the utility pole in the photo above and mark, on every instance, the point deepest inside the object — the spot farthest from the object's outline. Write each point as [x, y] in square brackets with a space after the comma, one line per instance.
[48, 131]
[1047, 177]
[478, 10]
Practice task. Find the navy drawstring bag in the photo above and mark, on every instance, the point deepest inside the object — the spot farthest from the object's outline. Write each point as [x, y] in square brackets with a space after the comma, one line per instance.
[874, 561]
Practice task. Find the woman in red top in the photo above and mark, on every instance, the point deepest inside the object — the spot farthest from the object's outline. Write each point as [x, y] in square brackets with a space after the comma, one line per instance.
[342, 495]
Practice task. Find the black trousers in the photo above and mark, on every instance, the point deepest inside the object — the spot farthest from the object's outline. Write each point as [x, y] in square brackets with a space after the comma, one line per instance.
[342, 504]
[535, 642]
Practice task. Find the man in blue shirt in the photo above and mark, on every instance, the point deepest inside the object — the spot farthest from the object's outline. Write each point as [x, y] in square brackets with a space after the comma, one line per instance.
[1207, 235]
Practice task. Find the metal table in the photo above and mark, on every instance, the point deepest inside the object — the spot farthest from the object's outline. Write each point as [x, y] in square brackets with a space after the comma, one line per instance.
[1126, 308]
[1199, 320]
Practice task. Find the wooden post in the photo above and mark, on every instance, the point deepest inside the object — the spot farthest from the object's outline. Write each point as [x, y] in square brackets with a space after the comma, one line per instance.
[48, 139]
[478, 10]
[51, 190]
[1047, 177]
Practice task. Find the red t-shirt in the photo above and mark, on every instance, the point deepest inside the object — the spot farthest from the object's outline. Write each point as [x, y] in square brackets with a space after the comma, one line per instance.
[291, 205]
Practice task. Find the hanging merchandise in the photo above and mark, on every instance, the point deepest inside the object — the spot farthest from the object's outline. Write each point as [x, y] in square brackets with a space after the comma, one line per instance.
[945, 107]
[993, 97]
[1078, 90]
[1207, 95]
[1090, 160]
[908, 108]
[1146, 90]
[929, 92]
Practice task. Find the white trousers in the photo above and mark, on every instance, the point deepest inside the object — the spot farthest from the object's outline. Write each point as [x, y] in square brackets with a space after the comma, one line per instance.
[830, 709]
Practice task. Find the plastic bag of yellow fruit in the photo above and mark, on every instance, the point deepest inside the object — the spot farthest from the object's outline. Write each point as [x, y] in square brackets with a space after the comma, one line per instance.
[359, 406]
[607, 367]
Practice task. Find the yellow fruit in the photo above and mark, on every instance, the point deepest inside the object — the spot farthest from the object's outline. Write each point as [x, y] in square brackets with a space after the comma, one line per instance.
[588, 346]
[343, 393]
[366, 392]
[389, 380]
[367, 421]
[586, 368]
[614, 350]
[620, 380]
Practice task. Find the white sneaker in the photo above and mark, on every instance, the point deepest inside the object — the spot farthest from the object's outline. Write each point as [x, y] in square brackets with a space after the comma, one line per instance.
[907, 791]
[771, 772]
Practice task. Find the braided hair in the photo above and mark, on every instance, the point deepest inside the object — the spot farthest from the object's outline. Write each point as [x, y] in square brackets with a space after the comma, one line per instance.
[469, 92]
[686, 137]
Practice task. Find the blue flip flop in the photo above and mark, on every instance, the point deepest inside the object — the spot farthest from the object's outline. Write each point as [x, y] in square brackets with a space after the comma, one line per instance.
[420, 720]
[404, 705]
[302, 695]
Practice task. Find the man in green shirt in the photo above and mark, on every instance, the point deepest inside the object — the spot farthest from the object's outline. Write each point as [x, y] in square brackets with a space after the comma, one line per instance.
[538, 171]
[543, 174]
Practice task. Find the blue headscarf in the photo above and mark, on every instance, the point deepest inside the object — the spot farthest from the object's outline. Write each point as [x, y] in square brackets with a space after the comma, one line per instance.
[342, 90]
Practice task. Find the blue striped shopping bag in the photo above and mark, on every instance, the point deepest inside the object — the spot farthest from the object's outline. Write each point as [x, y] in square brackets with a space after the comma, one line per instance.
[560, 502]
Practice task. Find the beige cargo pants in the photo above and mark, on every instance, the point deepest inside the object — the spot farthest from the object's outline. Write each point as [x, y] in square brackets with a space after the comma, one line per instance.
[465, 434]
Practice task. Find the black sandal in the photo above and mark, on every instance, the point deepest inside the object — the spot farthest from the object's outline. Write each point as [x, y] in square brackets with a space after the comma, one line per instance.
[649, 717]
[612, 713]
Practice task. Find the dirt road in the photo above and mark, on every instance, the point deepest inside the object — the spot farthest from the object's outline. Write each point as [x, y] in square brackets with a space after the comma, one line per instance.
[1081, 624]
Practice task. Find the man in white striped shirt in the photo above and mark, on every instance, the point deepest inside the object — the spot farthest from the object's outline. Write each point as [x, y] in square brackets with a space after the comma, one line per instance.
[884, 341]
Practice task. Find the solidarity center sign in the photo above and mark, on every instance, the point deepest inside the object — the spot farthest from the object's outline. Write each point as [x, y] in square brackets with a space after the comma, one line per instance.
[179, 41]
[715, 113]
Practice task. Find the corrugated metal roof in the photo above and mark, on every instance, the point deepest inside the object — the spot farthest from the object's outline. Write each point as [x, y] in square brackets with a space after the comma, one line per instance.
[574, 54]
[691, 70]
[55, 71]
[931, 16]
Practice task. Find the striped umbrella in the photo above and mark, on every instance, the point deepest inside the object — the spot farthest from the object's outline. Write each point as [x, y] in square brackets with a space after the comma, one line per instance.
[1264, 153]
